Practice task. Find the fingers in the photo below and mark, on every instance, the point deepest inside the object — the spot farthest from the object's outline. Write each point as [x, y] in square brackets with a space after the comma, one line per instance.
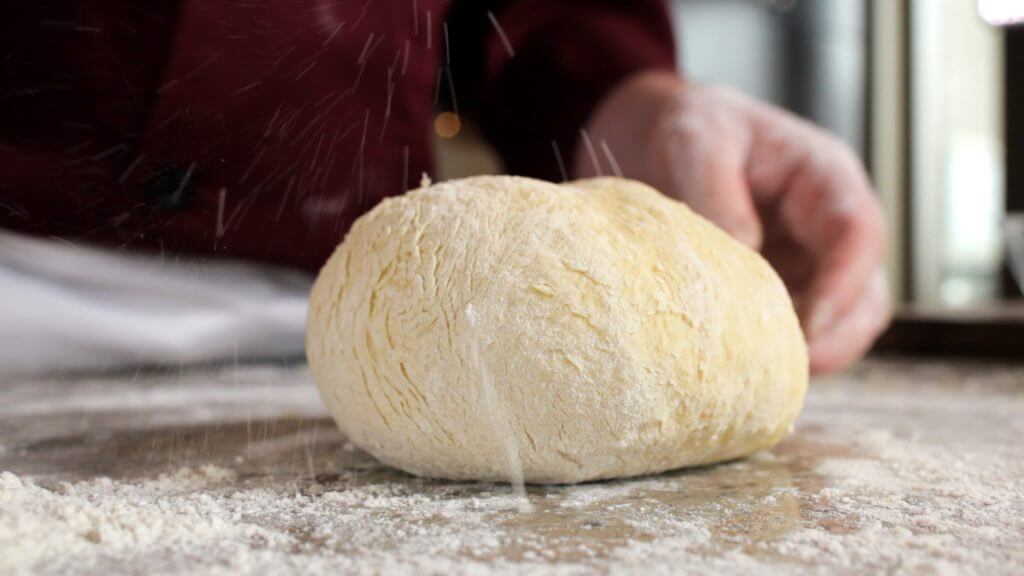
[833, 215]
[725, 199]
[850, 336]
[734, 160]
[678, 137]
[826, 205]
[702, 157]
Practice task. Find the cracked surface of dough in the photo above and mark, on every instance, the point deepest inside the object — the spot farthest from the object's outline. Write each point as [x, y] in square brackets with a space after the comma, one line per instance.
[623, 334]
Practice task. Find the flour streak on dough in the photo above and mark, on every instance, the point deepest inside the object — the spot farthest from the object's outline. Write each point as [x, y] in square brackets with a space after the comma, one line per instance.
[500, 426]
[625, 335]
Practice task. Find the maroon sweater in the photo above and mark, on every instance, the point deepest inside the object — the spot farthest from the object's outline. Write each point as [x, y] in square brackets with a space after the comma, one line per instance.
[262, 129]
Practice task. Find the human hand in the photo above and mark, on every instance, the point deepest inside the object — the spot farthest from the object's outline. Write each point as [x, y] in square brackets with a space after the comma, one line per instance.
[773, 181]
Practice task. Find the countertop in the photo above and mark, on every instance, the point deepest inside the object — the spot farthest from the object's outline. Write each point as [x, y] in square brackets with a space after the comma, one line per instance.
[897, 466]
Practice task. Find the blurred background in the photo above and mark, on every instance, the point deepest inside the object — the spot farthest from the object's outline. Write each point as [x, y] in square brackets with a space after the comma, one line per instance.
[925, 91]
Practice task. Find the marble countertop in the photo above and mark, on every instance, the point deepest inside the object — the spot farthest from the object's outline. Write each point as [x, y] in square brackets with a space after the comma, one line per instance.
[899, 466]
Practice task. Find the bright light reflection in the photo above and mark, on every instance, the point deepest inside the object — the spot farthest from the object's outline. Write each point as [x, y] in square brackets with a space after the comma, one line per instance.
[1001, 12]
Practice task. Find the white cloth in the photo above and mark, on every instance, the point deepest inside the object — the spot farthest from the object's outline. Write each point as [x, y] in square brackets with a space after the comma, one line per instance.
[69, 307]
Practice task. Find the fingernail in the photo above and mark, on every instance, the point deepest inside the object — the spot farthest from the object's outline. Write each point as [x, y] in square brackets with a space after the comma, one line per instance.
[822, 316]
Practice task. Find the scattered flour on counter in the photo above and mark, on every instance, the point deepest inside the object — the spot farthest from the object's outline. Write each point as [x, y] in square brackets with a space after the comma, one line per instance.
[921, 507]
[201, 514]
[897, 505]
[875, 480]
[55, 529]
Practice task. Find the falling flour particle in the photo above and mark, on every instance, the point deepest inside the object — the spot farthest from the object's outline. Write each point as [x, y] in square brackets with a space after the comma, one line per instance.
[500, 424]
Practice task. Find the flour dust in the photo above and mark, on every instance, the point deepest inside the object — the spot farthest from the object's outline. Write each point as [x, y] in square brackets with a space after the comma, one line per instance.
[501, 424]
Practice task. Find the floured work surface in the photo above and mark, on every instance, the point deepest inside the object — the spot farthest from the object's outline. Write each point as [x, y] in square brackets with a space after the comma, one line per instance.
[910, 467]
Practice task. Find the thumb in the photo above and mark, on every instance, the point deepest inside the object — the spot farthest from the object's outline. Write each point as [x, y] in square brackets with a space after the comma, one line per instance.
[708, 176]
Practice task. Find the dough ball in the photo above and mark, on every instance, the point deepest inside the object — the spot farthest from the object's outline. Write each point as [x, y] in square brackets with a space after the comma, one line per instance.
[594, 329]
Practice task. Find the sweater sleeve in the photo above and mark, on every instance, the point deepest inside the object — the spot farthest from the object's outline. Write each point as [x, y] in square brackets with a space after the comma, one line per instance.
[532, 71]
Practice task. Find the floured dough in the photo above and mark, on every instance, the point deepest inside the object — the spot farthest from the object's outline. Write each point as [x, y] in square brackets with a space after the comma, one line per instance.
[588, 330]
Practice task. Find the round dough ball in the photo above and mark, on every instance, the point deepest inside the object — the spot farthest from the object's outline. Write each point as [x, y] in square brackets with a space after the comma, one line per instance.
[594, 329]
